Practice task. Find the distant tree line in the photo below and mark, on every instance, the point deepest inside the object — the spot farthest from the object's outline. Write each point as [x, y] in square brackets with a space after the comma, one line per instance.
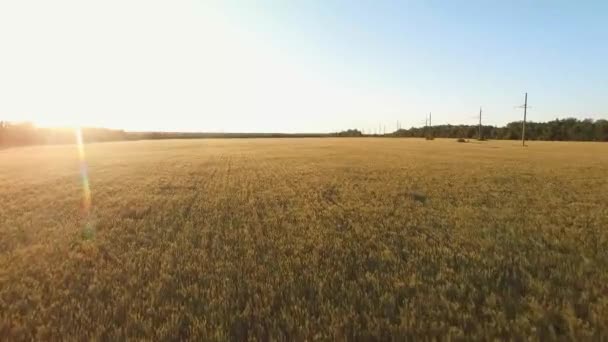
[349, 133]
[21, 134]
[558, 130]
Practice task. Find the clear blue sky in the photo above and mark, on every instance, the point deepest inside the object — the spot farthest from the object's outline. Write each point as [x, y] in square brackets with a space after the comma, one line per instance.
[300, 65]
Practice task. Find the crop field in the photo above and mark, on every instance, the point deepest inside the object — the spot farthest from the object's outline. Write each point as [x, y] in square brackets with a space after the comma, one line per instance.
[304, 239]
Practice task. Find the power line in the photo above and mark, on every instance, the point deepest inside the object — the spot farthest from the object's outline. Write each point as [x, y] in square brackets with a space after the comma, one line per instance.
[479, 123]
[523, 126]
[430, 134]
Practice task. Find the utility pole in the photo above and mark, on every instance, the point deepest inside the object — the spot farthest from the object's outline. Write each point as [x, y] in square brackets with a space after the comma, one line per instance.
[430, 125]
[523, 127]
[479, 123]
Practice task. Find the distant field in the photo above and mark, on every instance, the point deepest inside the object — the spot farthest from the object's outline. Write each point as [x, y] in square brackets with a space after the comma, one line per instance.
[295, 239]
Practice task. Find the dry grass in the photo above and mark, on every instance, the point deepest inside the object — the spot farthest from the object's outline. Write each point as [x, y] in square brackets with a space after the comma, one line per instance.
[305, 239]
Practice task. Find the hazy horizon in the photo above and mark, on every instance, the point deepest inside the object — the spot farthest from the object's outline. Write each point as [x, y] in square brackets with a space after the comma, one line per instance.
[206, 66]
[371, 131]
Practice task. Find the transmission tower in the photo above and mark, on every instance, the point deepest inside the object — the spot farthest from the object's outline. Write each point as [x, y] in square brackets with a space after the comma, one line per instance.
[479, 123]
[523, 126]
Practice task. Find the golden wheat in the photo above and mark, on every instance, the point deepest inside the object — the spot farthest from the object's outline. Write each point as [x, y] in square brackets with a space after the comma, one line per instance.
[304, 239]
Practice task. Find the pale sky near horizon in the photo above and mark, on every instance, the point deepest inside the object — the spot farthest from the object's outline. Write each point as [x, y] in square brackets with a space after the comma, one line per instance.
[299, 66]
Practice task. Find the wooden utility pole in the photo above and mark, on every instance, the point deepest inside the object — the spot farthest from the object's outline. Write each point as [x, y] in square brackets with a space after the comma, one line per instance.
[479, 123]
[523, 127]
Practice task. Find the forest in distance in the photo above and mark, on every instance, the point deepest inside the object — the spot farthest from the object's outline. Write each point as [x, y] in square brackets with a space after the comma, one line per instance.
[569, 129]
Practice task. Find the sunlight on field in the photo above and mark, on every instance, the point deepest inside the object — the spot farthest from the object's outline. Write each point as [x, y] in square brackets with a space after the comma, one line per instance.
[304, 239]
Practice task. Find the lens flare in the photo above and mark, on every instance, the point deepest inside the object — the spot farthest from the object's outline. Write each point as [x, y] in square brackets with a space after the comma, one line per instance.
[84, 174]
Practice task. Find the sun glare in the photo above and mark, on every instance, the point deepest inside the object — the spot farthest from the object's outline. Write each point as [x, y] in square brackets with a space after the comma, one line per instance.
[84, 174]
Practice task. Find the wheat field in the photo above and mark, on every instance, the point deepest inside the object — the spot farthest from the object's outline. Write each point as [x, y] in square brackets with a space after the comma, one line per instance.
[304, 239]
